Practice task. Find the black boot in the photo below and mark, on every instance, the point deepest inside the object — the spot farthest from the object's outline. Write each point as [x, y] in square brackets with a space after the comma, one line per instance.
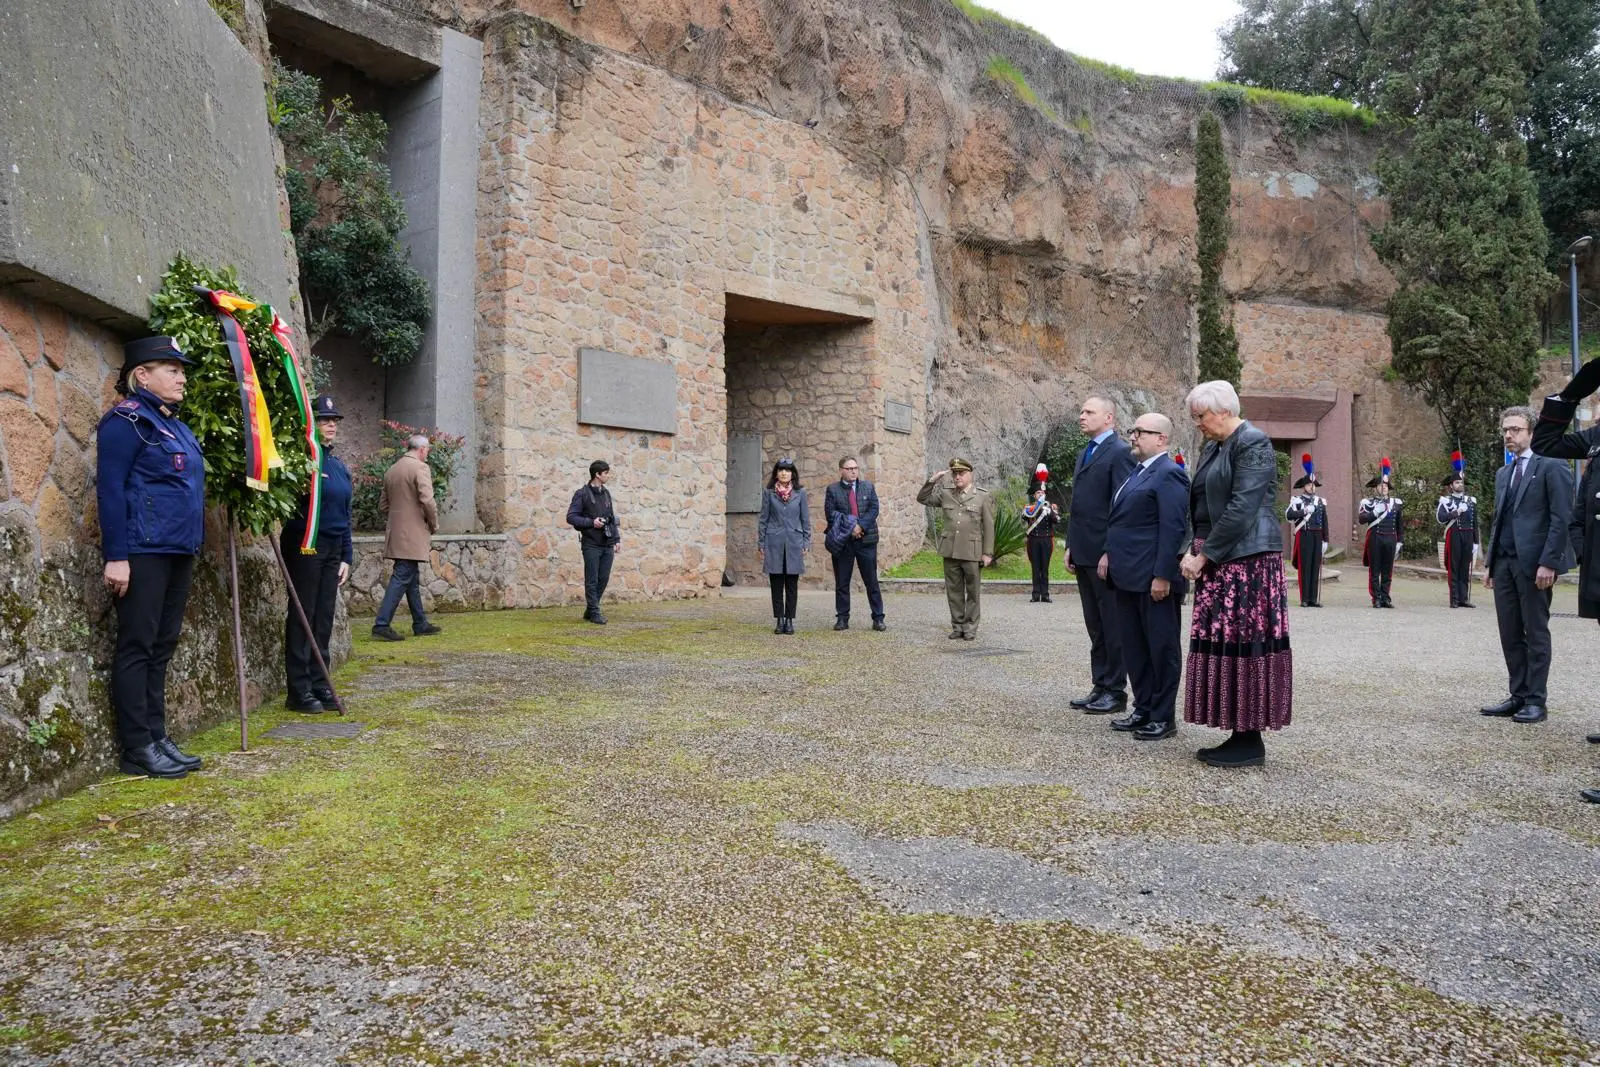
[151, 762]
[303, 701]
[777, 624]
[788, 624]
[1243, 749]
[178, 755]
[841, 622]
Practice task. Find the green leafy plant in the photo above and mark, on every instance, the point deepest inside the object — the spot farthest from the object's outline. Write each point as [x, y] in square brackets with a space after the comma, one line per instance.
[443, 458]
[1213, 194]
[41, 733]
[211, 404]
[346, 219]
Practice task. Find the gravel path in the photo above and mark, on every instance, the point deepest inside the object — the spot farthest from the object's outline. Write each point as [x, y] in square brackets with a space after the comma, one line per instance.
[682, 839]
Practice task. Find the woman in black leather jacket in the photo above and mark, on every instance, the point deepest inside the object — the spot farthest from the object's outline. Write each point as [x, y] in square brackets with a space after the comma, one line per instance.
[1241, 673]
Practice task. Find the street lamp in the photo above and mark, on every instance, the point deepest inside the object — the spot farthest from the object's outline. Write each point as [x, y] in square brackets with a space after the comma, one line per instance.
[1580, 245]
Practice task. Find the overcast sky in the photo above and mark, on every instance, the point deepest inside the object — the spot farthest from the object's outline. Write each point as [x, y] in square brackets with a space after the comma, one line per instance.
[1173, 37]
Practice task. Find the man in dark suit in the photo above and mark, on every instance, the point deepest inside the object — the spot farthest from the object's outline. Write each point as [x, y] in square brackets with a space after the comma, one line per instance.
[850, 507]
[1527, 550]
[1103, 466]
[1145, 538]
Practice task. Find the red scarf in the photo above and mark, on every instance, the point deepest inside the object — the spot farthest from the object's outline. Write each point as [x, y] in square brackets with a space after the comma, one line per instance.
[784, 491]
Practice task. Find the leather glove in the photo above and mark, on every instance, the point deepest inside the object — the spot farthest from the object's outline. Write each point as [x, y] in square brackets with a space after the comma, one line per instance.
[1586, 381]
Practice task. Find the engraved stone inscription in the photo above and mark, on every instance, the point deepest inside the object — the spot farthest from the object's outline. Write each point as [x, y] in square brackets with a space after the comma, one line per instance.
[626, 392]
[744, 473]
[897, 416]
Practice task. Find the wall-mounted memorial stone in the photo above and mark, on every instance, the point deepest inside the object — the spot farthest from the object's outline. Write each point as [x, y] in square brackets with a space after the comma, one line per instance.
[626, 392]
[744, 473]
[897, 416]
[131, 130]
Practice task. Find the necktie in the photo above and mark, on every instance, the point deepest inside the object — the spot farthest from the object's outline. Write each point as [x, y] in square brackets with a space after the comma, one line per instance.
[853, 510]
[1516, 480]
[1130, 480]
[1088, 453]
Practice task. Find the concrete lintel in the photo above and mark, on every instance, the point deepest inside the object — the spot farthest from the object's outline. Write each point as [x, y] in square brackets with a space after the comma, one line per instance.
[1304, 407]
[373, 38]
[848, 305]
[1284, 430]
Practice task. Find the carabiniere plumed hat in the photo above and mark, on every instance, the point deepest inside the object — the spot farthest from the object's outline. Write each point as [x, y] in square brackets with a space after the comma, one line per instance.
[151, 350]
[324, 408]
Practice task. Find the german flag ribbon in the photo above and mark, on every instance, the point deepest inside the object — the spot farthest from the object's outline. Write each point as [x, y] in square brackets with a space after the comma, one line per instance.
[260, 453]
[297, 384]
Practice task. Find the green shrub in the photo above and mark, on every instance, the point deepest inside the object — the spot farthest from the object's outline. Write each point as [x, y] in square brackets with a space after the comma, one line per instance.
[368, 475]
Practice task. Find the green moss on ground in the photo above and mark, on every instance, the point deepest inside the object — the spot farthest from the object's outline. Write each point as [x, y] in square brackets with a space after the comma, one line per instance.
[928, 564]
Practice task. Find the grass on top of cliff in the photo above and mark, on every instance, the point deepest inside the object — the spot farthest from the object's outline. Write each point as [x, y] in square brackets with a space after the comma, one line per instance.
[1006, 73]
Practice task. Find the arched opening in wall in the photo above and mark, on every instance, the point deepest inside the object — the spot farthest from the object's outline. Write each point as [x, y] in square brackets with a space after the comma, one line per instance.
[799, 384]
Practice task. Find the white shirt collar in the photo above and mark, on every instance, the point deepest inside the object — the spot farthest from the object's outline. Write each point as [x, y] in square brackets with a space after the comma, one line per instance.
[1100, 438]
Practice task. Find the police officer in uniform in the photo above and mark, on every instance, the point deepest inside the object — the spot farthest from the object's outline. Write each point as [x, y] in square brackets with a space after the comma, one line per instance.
[966, 541]
[1382, 516]
[1458, 514]
[318, 576]
[150, 485]
[1309, 514]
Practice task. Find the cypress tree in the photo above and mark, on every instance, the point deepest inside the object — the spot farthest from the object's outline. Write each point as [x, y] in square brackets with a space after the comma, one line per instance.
[1213, 192]
[1465, 240]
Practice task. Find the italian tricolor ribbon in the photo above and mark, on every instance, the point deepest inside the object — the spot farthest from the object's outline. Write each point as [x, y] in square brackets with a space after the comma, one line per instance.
[297, 384]
[260, 453]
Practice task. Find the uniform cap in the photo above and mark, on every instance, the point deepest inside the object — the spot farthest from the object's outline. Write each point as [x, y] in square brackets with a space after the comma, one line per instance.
[150, 350]
[1305, 481]
[324, 408]
[1375, 481]
[959, 464]
[1450, 478]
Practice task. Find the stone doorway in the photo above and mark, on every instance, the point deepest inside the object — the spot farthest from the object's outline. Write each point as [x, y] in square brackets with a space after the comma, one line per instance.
[799, 383]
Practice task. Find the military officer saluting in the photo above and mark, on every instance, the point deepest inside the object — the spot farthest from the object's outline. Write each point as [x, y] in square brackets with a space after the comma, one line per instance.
[318, 574]
[1458, 514]
[150, 483]
[1382, 515]
[966, 541]
[1309, 514]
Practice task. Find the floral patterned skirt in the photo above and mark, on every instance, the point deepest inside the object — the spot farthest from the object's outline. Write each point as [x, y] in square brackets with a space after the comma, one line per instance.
[1240, 674]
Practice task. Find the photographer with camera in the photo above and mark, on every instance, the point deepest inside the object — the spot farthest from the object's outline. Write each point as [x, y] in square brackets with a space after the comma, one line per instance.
[591, 513]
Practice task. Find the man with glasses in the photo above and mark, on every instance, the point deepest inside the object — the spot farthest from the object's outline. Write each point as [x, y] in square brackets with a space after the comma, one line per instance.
[1103, 465]
[1527, 550]
[1146, 534]
[850, 507]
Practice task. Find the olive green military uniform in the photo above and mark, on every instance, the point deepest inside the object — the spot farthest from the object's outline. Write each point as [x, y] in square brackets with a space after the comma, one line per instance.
[965, 537]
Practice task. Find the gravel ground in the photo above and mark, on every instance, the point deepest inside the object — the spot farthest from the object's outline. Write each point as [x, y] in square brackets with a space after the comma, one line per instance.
[682, 839]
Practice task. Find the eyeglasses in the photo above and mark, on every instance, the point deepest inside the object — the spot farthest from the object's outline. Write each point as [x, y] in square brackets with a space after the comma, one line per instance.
[1137, 430]
[849, 468]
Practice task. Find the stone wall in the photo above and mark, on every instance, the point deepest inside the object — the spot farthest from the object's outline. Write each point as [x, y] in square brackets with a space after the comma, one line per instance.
[621, 207]
[57, 623]
[466, 572]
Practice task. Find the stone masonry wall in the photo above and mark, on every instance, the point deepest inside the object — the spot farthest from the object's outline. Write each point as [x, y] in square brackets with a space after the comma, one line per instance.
[57, 623]
[466, 572]
[620, 205]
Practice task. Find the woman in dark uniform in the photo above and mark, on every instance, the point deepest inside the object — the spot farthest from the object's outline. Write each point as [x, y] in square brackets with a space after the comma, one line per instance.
[150, 484]
[317, 575]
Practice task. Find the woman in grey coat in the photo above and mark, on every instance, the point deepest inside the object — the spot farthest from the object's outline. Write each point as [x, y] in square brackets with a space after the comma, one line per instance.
[783, 535]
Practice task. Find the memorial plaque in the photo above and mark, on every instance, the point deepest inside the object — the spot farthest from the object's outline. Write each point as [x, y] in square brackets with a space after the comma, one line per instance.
[131, 130]
[744, 473]
[897, 416]
[626, 392]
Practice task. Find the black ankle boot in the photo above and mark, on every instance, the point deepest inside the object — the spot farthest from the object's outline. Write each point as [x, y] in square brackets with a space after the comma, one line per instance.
[777, 624]
[1244, 749]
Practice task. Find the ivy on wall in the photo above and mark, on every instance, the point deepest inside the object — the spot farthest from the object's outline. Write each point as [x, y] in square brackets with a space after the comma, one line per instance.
[211, 401]
[346, 220]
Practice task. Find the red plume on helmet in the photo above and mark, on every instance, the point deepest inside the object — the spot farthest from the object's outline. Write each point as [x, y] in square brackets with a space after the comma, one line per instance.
[1041, 473]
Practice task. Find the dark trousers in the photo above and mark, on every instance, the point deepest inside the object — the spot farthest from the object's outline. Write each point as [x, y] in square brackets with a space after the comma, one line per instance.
[1380, 567]
[1100, 619]
[1523, 611]
[1040, 549]
[1458, 563]
[596, 573]
[316, 583]
[785, 591]
[1308, 565]
[1152, 651]
[407, 580]
[149, 618]
[846, 561]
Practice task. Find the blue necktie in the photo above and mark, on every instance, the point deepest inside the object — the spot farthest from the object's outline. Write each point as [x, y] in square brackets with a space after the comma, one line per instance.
[1088, 453]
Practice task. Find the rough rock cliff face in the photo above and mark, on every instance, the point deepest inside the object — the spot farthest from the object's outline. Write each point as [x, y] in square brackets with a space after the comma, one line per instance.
[1060, 234]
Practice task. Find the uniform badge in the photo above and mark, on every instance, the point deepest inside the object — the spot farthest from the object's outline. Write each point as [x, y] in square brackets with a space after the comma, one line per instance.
[177, 461]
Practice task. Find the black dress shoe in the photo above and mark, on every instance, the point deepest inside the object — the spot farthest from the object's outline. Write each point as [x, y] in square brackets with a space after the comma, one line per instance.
[1086, 699]
[841, 623]
[1106, 703]
[1155, 731]
[788, 624]
[387, 633]
[326, 698]
[151, 762]
[1505, 709]
[1530, 713]
[1034, 599]
[956, 635]
[598, 619]
[1240, 750]
[1046, 599]
[427, 630]
[1466, 604]
[1590, 795]
[303, 702]
[1594, 739]
[1129, 722]
[178, 755]
[879, 625]
[1387, 604]
[970, 635]
[777, 625]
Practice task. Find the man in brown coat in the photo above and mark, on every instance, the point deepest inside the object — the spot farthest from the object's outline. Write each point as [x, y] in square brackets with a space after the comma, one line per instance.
[408, 501]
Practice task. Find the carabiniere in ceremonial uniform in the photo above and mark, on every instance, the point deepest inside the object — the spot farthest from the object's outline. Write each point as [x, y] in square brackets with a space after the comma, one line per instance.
[1309, 514]
[1458, 514]
[317, 575]
[150, 483]
[1384, 520]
